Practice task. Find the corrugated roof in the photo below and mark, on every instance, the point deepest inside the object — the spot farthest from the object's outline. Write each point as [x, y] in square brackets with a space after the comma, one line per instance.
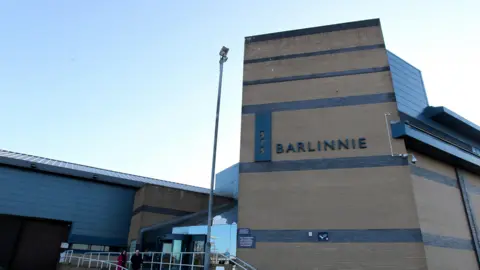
[92, 173]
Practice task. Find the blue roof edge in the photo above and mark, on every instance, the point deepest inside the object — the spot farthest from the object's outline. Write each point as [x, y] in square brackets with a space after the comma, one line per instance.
[47, 165]
[420, 141]
[453, 120]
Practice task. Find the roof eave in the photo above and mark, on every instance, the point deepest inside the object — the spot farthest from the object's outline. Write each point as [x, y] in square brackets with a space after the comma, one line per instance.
[454, 121]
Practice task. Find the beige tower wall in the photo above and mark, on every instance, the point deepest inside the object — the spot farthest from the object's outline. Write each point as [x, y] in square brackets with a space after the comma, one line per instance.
[442, 215]
[305, 86]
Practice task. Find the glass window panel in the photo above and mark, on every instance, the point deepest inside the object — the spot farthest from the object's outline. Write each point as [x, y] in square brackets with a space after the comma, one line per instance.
[97, 248]
[133, 246]
[80, 246]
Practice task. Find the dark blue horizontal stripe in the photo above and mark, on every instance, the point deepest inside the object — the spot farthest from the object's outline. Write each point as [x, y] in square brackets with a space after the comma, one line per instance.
[316, 53]
[322, 164]
[318, 75]
[96, 240]
[447, 241]
[340, 236]
[319, 103]
[362, 236]
[314, 30]
[433, 176]
[161, 210]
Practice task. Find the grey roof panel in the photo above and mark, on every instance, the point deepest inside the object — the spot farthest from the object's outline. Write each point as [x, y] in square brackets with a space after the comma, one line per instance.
[92, 173]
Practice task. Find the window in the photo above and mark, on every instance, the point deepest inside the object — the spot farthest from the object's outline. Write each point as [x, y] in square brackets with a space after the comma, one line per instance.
[96, 248]
[80, 247]
[133, 246]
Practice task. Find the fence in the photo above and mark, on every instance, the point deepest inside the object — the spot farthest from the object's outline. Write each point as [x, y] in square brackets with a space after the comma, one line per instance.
[152, 260]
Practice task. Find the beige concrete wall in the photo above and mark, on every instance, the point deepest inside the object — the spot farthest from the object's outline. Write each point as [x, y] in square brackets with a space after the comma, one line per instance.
[179, 199]
[360, 198]
[431, 164]
[169, 198]
[145, 219]
[441, 212]
[450, 259]
[440, 207]
[333, 256]
[247, 138]
[316, 42]
[139, 198]
[135, 226]
[473, 180]
[315, 64]
[366, 198]
[354, 85]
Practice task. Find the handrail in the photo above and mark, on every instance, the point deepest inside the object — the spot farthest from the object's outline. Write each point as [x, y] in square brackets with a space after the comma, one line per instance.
[235, 260]
[79, 260]
[170, 259]
[244, 262]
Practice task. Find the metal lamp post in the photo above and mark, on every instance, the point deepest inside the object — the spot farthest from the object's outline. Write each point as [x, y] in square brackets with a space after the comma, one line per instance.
[223, 59]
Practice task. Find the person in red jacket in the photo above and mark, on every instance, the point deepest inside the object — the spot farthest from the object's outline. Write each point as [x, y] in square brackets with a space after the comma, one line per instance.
[122, 260]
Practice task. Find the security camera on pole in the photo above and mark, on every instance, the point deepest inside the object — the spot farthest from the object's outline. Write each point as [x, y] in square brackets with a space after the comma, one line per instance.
[223, 59]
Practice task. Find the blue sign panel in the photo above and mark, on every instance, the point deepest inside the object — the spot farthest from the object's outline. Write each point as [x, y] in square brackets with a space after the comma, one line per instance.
[263, 136]
[323, 237]
[246, 241]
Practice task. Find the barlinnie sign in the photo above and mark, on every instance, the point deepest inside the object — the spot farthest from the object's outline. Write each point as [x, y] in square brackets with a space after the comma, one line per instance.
[264, 144]
[319, 146]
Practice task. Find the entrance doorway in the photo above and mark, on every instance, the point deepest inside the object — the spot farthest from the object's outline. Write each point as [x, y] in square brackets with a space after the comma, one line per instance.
[192, 247]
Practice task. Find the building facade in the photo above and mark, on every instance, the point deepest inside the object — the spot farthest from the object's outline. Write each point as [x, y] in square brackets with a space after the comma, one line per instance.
[344, 164]
[48, 205]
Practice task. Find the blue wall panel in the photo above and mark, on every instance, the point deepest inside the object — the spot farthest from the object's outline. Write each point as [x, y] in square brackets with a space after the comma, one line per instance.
[411, 95]
[226, 181]
[408, 84]
[263, 136]
[100, 213]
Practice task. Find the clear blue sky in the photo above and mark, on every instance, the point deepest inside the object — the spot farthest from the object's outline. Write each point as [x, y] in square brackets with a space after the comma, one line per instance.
[131, 85]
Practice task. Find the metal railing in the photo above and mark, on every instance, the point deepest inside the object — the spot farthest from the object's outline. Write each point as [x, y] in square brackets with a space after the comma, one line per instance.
[238, 262]
[153, 260]
[80, 262]
[65, 255]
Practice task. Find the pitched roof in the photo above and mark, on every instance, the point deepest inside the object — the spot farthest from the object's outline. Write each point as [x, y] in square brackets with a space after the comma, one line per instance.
[76, 170]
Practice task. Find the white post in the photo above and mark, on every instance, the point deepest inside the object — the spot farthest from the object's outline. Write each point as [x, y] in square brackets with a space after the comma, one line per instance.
[193, 261]
[161, 261]
[151, 263]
